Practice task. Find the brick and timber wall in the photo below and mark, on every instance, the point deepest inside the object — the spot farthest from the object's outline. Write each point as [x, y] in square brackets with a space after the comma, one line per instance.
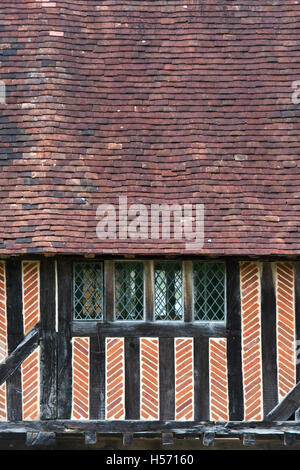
[172, 377]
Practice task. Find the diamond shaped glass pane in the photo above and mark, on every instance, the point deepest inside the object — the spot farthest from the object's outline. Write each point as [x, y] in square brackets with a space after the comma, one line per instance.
[209, 291]
[129, 290]
[88, 291]
[168, 291]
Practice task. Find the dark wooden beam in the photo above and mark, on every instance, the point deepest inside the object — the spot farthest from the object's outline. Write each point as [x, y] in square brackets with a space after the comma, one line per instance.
[38, 439]
[109, 289]
[97, 379]
[149, 290]
[268, 333]
[208, 438]
[231, 428]
[90, 438]
[14, 360]
[132, 378]
[127, 439]
[15, 330]
[167, 378]
[289, 438]
[201, 378]
[249, 439]
[167, 438]
[234, 351]
[64, 346]
[166, 329]
[188, 299]
[288, 406]
[48, 347]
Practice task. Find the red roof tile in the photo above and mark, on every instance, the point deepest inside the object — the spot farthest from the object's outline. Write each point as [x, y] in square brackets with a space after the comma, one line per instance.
[160, 101]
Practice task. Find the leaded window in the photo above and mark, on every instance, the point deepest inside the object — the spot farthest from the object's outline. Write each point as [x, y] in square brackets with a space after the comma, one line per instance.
[129, 290]
[88, 291]
[209, 291]
[168, 291]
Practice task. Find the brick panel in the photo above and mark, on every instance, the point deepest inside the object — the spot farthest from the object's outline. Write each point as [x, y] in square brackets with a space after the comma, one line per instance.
[149, 364]
[285, 304]
[81, 377]
[218, 381]
[251, 341]
[115, 378]
[31, 301]
[31, 386]
[184, 379]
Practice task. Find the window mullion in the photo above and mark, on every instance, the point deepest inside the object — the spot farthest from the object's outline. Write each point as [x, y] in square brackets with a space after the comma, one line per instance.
[109, 290]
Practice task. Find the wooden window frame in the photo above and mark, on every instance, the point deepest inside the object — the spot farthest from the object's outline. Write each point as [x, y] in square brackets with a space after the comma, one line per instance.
[149, 326]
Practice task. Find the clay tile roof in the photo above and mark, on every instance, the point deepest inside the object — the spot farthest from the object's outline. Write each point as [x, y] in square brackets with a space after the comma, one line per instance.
[161, 101]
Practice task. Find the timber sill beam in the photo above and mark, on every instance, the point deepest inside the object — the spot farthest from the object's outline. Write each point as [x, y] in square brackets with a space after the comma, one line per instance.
[19, 354]
[287, 406]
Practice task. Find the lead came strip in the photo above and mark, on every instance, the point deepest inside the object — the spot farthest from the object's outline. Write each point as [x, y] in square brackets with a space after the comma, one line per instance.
[114, 379]
[3, 338]
[285, 305]
[81, 377]
[184, 379]
[149, 363]
[251, 341]
[218, 381]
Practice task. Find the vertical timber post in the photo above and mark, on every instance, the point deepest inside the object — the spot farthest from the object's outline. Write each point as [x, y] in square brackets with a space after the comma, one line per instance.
[15, 335]
[48, 338]
[235, 375]
[64, 346]
[268, 333]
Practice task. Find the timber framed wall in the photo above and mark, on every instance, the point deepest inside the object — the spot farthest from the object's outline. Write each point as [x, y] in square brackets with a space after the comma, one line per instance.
[147, 372]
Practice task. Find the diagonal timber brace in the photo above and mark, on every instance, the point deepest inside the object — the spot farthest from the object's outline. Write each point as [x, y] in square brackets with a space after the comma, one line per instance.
[287, 406]
[19, 354]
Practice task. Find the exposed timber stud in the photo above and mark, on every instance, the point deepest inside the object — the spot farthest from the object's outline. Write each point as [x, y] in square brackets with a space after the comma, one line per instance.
[97, 378]
[201, 371]
[15, 335]
[149, 290]
[109, 290]
[268, 332]
[167, 378]
[64, 346]
[48, 339]
[132, 378]
[188, 290]
[233, 313]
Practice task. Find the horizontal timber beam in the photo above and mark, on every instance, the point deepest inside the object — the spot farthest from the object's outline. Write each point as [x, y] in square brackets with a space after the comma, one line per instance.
[232, 428]
[19, 354]
[156, 329]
